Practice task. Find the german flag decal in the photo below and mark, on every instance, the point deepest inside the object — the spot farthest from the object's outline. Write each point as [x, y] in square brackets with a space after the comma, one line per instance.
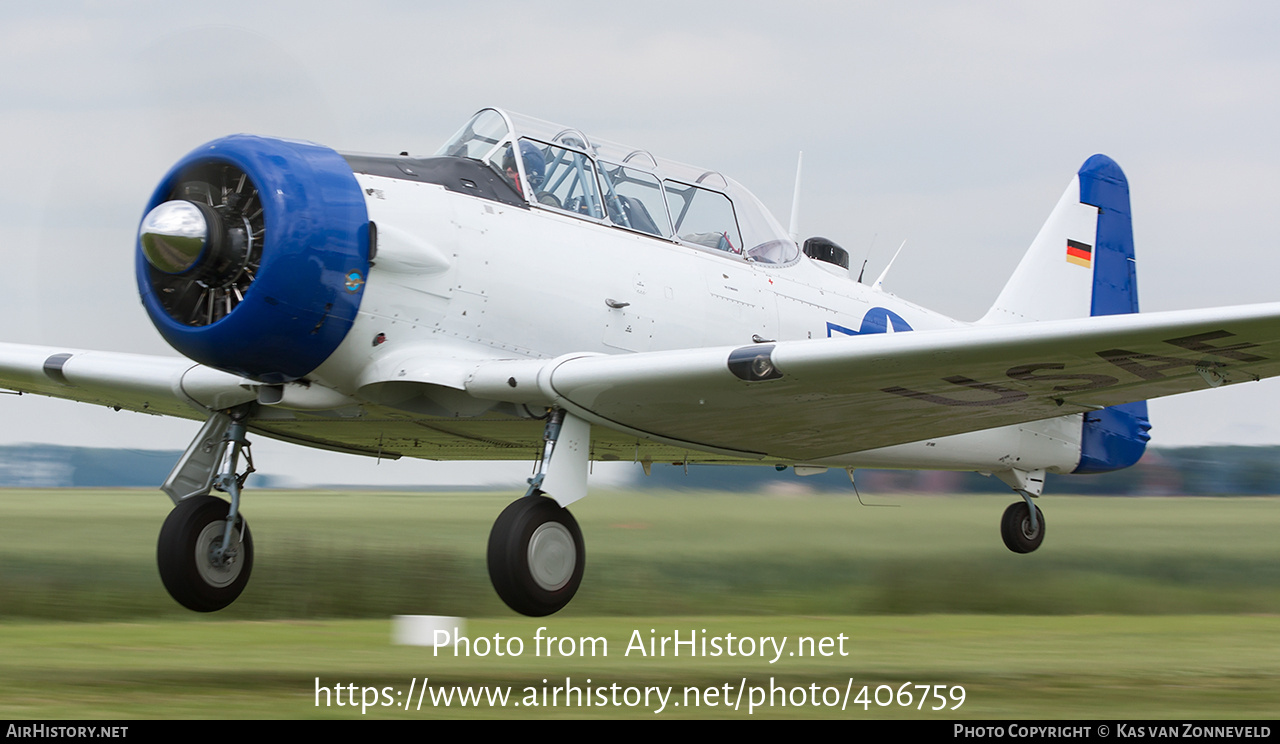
[1080, 254]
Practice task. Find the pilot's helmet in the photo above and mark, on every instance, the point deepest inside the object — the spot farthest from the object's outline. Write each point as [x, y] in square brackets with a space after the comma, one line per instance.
[535, 166]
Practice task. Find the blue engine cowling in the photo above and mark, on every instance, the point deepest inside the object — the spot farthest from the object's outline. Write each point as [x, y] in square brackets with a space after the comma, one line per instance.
[269, 281]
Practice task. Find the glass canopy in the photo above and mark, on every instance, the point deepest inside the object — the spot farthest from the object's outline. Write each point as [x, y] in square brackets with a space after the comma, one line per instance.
[560, 168]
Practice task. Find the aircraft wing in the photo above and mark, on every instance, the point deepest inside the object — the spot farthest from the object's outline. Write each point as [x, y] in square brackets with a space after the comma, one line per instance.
[804, 400]
[796, 401]
[150, 384]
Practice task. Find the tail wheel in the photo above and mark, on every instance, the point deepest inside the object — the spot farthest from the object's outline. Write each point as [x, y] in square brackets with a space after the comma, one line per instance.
[536, 556]
[1017, 531]
[193, 573]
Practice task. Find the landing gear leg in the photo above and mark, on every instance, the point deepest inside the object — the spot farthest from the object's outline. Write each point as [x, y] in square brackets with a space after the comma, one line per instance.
[536, 554]
[205, 551]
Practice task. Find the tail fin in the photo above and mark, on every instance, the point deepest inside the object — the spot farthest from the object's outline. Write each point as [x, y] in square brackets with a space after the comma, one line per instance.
[1082, 264]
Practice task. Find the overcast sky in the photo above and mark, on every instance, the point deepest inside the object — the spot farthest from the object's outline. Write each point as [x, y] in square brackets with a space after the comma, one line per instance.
[954, 127]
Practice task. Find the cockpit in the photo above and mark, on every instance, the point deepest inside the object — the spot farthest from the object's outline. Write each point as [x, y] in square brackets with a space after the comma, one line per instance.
[561, 169]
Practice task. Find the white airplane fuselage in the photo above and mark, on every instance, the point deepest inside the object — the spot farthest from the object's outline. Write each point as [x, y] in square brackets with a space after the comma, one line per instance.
[460, 277]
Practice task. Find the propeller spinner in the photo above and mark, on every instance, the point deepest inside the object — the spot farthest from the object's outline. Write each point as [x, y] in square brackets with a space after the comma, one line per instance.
[204, 243]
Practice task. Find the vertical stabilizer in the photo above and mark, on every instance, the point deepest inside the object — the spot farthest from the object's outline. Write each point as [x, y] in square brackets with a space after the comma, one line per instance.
[1055, 279]
[1082, 264]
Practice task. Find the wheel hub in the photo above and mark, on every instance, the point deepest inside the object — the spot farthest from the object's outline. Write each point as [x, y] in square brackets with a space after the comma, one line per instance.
[552, 556]
[217, 567]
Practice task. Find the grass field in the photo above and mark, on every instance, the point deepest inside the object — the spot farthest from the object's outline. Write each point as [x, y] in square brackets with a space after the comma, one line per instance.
[1141, 608]
[90, 555]
[1112, 667]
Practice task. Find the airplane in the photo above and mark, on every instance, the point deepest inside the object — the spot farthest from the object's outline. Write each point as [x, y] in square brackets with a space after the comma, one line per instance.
[532, 292]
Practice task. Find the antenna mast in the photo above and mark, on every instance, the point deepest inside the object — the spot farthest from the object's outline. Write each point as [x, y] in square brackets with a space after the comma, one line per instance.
[795, 202]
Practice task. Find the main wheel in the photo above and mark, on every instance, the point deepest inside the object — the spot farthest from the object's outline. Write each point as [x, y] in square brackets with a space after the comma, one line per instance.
[536, 556]
[185, 553]
[1015, 528]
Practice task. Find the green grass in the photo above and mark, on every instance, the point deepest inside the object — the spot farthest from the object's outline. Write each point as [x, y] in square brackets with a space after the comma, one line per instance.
[1090, 667]
[1133, 608]
[89, 555]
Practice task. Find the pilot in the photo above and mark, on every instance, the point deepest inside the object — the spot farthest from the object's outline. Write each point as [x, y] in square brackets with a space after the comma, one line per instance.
[535, 167]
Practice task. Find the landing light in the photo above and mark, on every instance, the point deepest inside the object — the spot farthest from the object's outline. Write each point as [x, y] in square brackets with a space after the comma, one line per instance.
[753, 363]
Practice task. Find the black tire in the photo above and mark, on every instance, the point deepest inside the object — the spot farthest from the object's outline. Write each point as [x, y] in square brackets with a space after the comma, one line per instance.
[190, 532]
[1015, 528]
[536, 556]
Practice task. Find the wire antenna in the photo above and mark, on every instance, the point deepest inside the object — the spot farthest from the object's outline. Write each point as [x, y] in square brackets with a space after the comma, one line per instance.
[859, 495]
